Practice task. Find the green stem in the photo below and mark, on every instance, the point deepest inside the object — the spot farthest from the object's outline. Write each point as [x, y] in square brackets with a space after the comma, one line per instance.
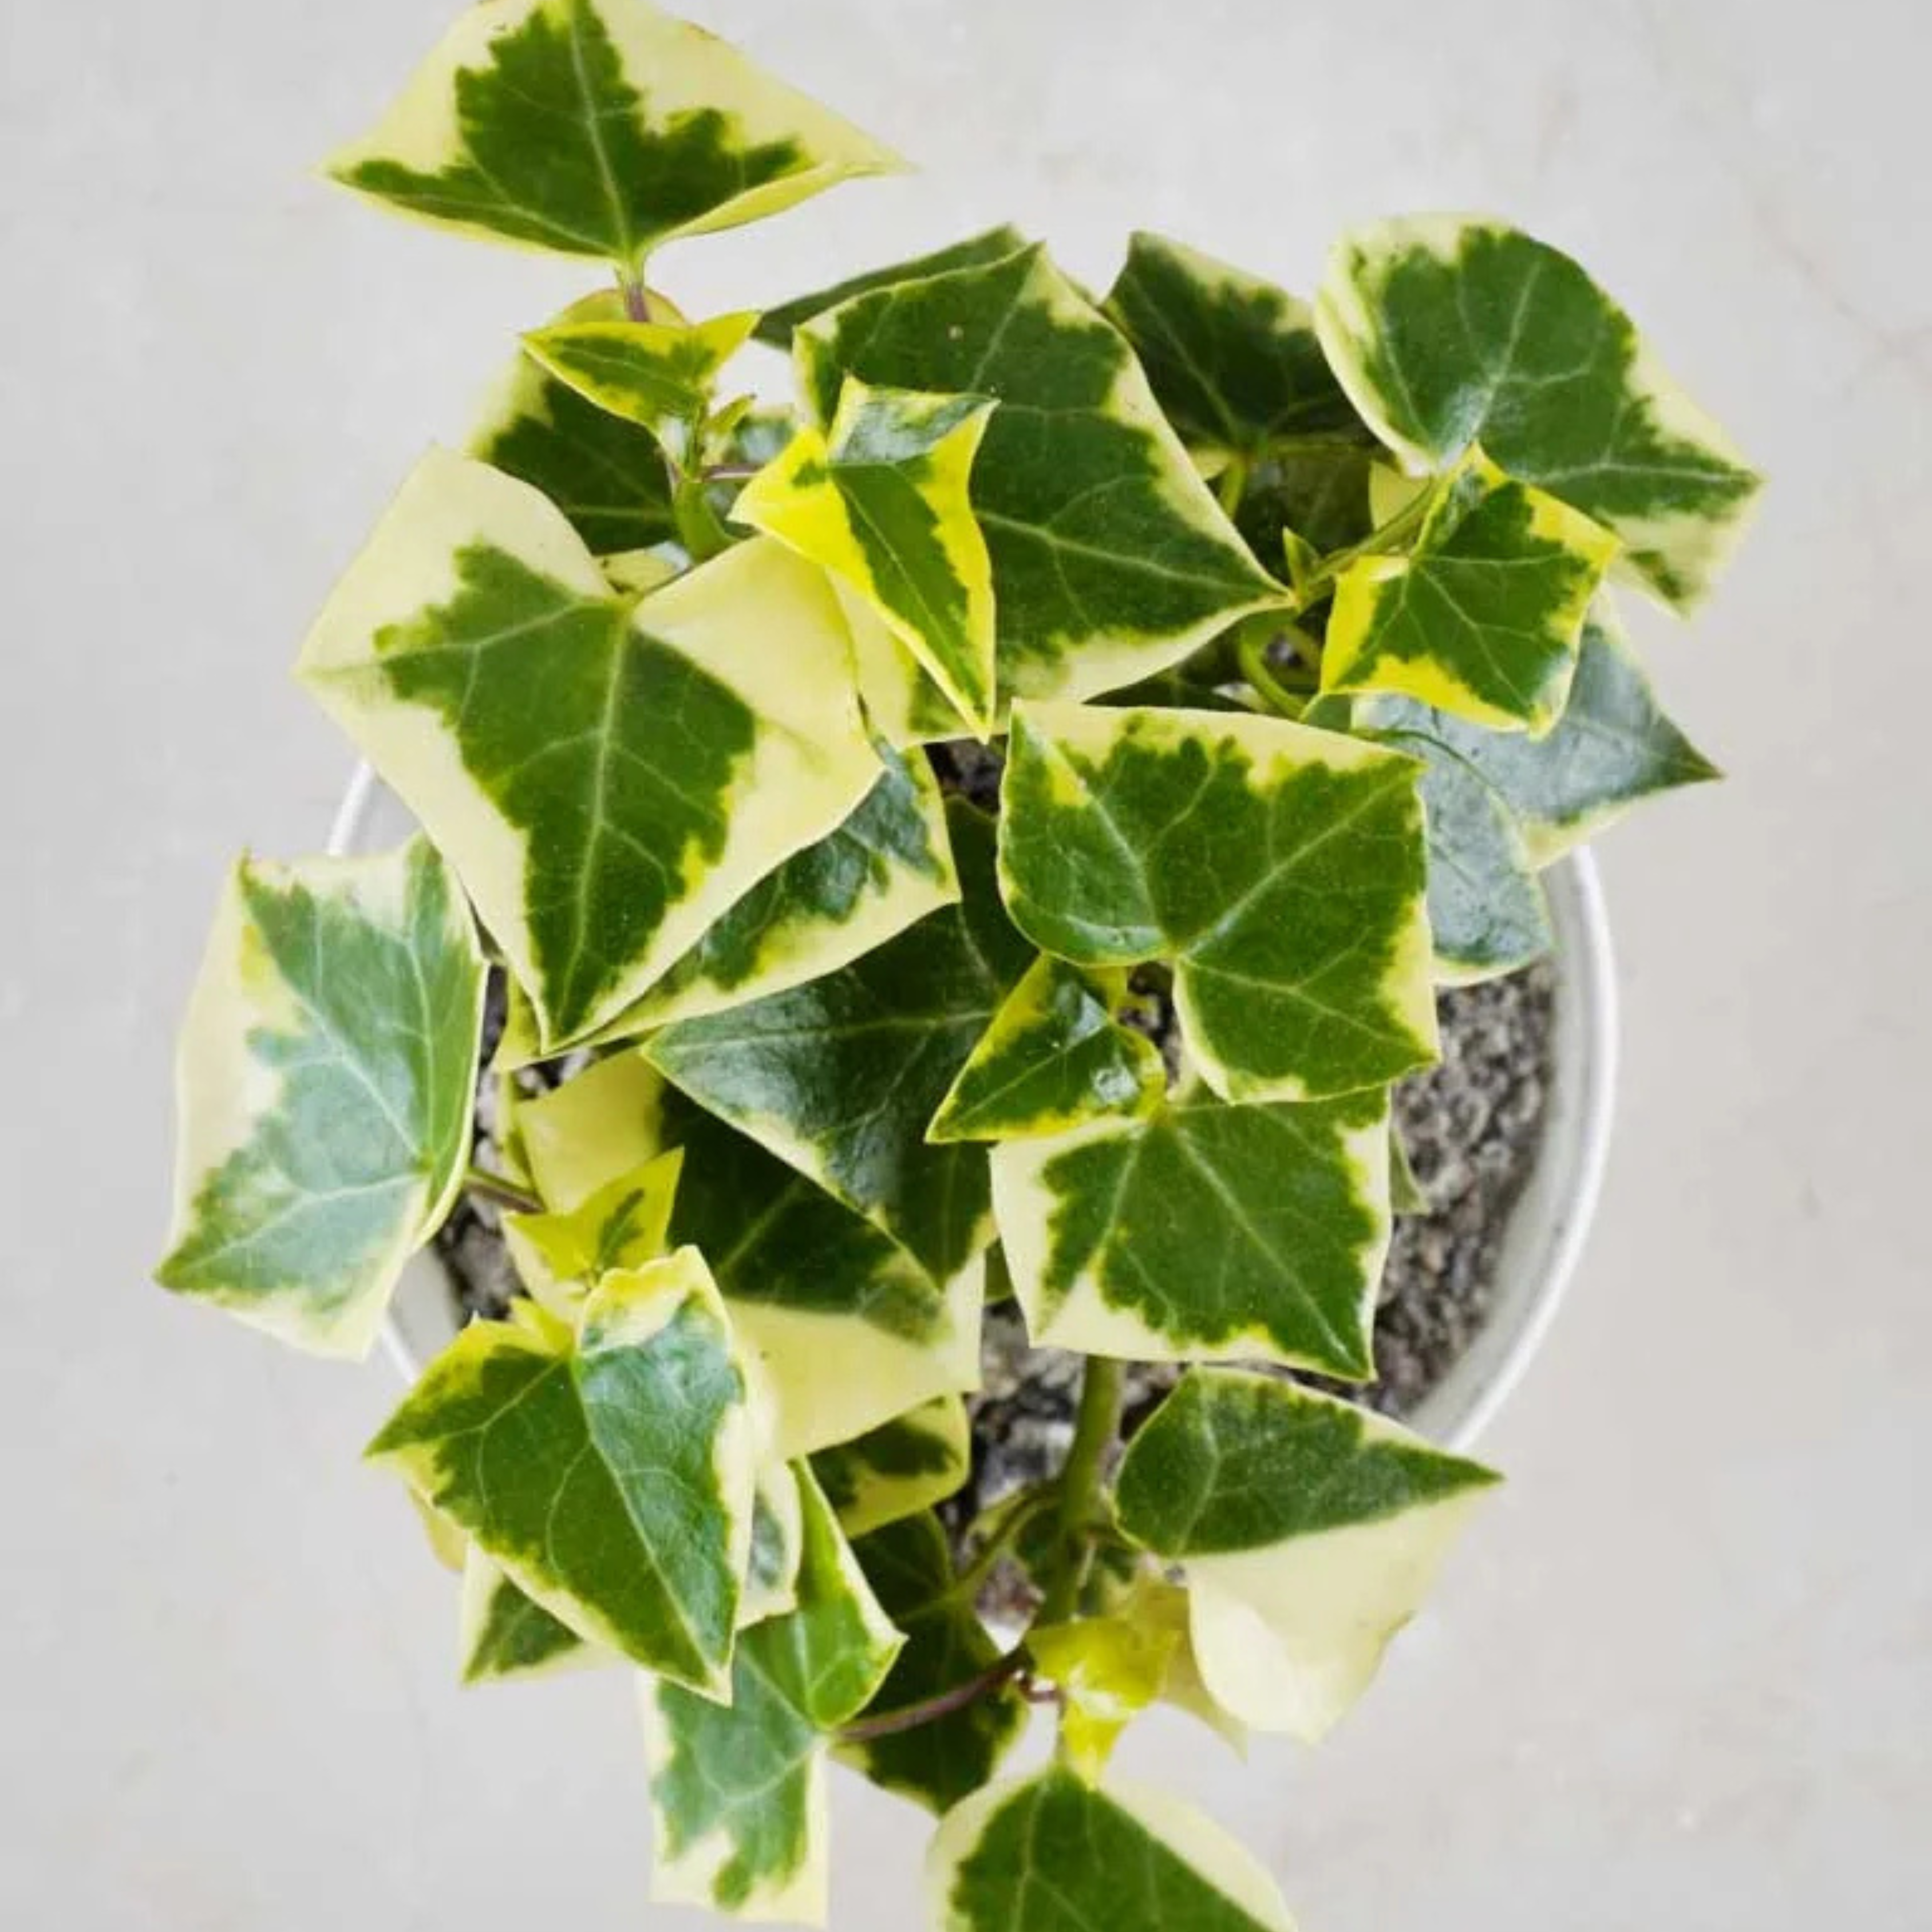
[1094, 1429]
[504, 1193]
[1260, 675]
[1387, 537]
[1002, 1537]
[1231, 485]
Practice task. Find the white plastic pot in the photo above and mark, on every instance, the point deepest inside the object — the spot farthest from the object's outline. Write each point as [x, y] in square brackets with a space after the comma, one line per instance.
[1546, 1233]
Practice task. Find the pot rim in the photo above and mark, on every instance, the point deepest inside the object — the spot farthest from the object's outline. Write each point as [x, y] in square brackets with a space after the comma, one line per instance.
[1550, 1222]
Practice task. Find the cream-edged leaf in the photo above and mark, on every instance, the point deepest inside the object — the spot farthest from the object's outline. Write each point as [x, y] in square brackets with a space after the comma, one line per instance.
[560, 1256]
[807, 1280]
[1613, 746]
[1309, 1530]
[1111, 560]
[1282, 871]
[778, 1546]
[880, 499]
[937, 1763]
[607, 776]
[776, 325]
[324, 1076]
[1448, 331]
[609, 1473]
[1053, 1057]
[505, 1633]
[598, 127]
[1481, 617]
[1053, 1854]
[607, 475]
[840, 1076]
[1252, 1233]
[1108, 1669]
[900, 1468]
[738, 1790]
[901, 703]
[659, 374]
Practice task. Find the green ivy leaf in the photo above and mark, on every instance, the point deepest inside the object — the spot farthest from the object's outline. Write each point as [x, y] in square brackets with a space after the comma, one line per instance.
[840, 1076]
[608, 777]
[866, 881]
[900, 1468]
[1234, 361]
[738, 1789]
[1310, 1531]
[1111, 560]
[1053, 1057]
[1108, 1669]
[1447, 331]
[506, 1634]
[1250, 1233]
[880, 500]
[938, 1763]
[1481, 617]
[659, 374]
[598, 127]
[1054, 1855]
[623, 1224]
[327, 1069]
[777, 325]
[607, 475]
[609, 1474]
[1612, 746]
[778, 1547]
[1281, 869]
[805, 1279]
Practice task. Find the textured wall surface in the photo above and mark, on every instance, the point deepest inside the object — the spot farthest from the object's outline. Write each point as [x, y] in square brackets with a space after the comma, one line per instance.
[1680, 1677]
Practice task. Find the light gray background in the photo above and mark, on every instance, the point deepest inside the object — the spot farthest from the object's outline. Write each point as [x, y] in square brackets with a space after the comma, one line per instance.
[1679, 1678]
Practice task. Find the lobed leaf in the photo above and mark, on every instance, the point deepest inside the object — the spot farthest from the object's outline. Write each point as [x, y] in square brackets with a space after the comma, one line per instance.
[880, 500]
[1281, 869]
[506, 1634]
[1053, 1057]
[1310, 1530]
[607, 776]
[899, 1469]
[1253, 1233]
[1447, 332]
[778, 1547]
[1481, 617]
[738, 1789]
[937, 1763]
[657, 374]
[609, 1474]
[1054, 1855]
[622, 1224]
[776, 325]
[1612, 746]
[598, 127]
[839, 1077]
[1108, 1669]
[325, 1075]
[1111, 560]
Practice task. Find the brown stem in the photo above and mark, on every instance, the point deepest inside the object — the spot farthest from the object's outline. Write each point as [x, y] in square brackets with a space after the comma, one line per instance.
[504, 1193]
[889, 1724]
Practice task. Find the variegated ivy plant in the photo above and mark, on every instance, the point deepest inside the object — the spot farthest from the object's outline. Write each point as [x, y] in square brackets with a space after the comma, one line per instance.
[1291, 622]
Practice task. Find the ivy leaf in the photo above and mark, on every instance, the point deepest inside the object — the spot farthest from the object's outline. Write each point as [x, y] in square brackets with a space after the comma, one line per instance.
[1234, 361]
[938, 1763]
[805, 1279]
[776, 325]
[880, 500]
[778, 1547]
[1158, 1607]
[869, 878]
[840, 1076]
[506, 1634]
[1310, 1531]
[1481, 618]
[1111, 560]
[1281, 869]
[1407, 1194]
[327, 1069]
[600, 128]
[1107, 1670]
[901, 703]
[1054, 1855]
[608, 1473]
[1307, 503]
[1446, 332]
[658, 374]
[607, 777]
[1053, 1057]
[900, 1468]
[1612, 746]
[1251, 1233]
[607, 475]
[738, 1790]
[622, 1224]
